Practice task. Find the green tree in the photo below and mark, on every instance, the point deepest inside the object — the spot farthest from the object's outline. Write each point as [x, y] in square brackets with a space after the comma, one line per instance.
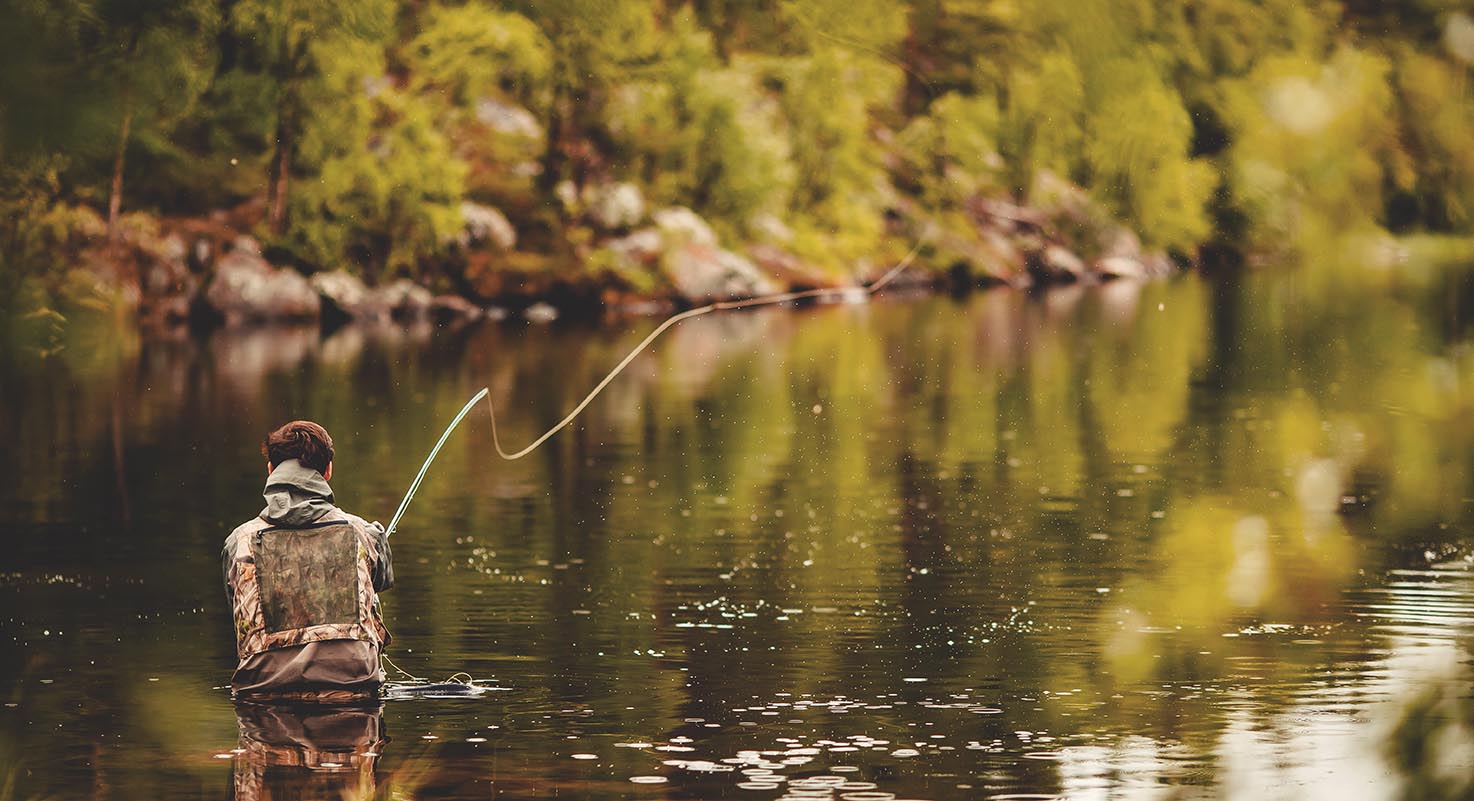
[386, 185]
[470, 52]
[285, 44]
[598, 45]
[157, 56]
[700, 133]
[1314, 146]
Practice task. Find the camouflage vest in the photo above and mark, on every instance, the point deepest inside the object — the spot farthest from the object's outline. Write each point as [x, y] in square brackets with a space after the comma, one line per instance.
[291, 586]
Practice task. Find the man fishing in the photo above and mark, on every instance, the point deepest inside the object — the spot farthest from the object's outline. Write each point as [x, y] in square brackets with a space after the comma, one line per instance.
[303, 579]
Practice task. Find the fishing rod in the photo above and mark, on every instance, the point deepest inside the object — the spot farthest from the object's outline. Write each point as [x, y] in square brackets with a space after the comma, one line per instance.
[420, 476]
[766, 300]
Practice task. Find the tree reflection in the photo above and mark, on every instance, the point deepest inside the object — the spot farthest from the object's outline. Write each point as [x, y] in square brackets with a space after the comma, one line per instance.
[1171, 506]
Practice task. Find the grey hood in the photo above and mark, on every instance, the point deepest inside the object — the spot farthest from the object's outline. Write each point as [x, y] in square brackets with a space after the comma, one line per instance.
[296, 495]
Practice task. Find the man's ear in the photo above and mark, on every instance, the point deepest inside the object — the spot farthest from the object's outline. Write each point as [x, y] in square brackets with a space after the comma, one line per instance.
[327, 475]
[268, 467]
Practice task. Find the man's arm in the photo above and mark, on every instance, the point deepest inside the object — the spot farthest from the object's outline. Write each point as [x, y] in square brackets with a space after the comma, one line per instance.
[384, 567]
[227, 559]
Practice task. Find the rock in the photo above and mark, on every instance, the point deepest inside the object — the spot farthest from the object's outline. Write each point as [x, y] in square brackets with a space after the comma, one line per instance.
[1121, 267]
[701, 273]
[173, 248]
[1000, 258]
[630, 257]
[1007, 215]
[1120, 241]
[1057, 263]
[404, 299]
[1054, 197]
[201, 254]
[540, 313]
[615, 206]
[567, 194]
[484, 224]
[507, 118]
[450, 308]
[768, 228]
[680, 226]
[345, 297]
[787, 268]
[1158, 264]
[641, 247]
[165, 270]
[245, 289]
[246, 245]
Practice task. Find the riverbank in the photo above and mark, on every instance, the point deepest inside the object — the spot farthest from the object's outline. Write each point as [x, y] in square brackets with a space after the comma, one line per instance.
[209, 272]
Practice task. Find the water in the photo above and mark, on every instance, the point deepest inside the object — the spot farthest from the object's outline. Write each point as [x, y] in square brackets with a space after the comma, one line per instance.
[1192, 540]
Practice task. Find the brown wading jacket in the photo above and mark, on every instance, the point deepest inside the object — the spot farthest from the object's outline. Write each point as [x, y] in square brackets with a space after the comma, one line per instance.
[303, 580]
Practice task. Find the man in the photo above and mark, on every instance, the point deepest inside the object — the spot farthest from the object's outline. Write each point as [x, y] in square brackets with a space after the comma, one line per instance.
[303, 579]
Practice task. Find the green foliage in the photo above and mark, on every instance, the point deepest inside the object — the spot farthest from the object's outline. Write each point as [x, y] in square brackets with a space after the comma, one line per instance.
[1138, 157]
[703, 135]
[840, 180]
[1044, 124]
[359, 127]
[952, 149]
[1437, 114]
[469, 52]
[387, 185]
[1314, 147]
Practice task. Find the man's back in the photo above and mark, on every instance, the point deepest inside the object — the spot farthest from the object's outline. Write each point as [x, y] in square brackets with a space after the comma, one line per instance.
[302, 579]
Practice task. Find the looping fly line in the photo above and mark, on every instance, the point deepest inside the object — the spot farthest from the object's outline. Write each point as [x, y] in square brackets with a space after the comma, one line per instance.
[766, 300]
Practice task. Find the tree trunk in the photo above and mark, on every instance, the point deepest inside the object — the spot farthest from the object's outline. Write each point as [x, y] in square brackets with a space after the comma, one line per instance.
[115, 196]
[277, 195]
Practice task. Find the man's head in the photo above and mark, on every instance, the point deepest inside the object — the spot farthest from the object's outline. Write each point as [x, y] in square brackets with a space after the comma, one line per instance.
[303, 440]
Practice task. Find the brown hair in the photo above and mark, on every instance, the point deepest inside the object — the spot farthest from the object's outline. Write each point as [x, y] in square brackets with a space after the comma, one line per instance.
[303, 440]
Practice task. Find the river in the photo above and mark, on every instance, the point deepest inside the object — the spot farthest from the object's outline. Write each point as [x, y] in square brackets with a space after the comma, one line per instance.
[1193, 539]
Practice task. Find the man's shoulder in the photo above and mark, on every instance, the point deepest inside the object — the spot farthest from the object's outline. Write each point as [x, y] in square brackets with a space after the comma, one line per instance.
[360, 523]
[245, 529]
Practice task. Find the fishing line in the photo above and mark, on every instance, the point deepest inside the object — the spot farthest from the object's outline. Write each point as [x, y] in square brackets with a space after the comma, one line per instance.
[725, 305]
[768, 300]
[784, 297]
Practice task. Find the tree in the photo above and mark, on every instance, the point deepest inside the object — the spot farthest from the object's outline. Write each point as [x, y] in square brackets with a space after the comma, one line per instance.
[157, 55]
[597, 45]
[284, 43]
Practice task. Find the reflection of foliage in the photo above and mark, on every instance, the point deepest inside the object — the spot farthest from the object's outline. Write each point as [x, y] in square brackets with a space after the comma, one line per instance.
[956, 461]
[1430, 742]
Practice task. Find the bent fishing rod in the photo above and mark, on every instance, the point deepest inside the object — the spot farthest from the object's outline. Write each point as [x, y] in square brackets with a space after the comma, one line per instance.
[485, 392]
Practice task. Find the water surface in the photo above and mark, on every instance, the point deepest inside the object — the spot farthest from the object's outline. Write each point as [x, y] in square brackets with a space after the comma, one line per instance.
[1190, 540]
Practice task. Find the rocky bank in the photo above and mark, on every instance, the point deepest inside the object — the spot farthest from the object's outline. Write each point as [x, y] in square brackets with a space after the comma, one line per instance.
[207, 273]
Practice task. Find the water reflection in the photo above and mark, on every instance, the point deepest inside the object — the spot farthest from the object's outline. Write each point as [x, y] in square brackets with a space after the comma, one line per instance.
[299, 752]
[1185, 539]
